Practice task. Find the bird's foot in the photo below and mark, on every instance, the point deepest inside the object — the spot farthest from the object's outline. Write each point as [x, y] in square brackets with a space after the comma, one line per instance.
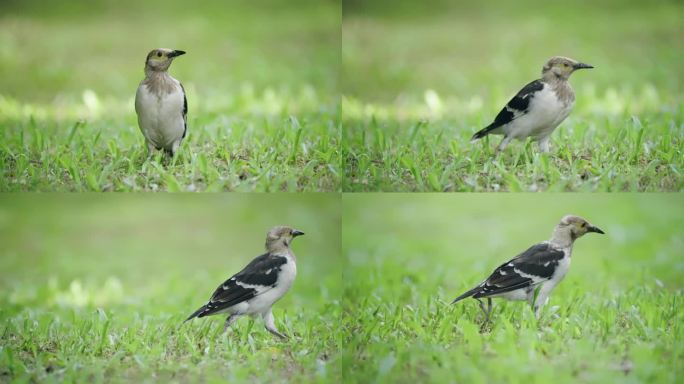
[174, 147]
[504, 143]
[278, 334]
[486, 311]
[150, 150]
[229, 321]
[544, 146]
[485, 327]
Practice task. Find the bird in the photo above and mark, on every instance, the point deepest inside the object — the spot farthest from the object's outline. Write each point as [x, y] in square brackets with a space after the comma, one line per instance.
[539, 107]
[534, 273]
[161, 104]
[255, 289]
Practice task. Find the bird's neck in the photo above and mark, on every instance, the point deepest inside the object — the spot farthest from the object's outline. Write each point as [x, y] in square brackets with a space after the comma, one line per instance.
[560, 86]
[156, 74]
[553, 78]
[562, 238]
[279, 248]
[158, 81]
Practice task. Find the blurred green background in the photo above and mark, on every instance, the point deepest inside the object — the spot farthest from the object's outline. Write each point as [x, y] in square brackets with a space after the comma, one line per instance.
[146, 262]
[454, 239]
[91, 237]
[616, 317]
[471, 49]
[53, 51]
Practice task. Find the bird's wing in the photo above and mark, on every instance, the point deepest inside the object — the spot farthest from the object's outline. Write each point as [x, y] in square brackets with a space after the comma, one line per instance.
[515, 108]
[257, 277]
[535, 265]
[185, 111]
[518, 105]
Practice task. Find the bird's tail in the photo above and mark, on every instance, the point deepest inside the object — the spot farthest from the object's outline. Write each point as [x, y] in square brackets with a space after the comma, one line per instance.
[483, 132]
[466, 294]
[197, 312]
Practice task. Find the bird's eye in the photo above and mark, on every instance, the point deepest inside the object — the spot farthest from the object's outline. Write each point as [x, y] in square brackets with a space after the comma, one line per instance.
[159, 54]
[584, 225]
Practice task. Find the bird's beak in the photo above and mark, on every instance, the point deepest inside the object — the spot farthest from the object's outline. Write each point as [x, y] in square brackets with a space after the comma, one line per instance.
[595, 229]
[176, 53]
[296, 233]
[583, 66]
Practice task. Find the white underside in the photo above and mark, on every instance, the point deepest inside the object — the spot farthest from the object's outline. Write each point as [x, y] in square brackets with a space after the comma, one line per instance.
[545, 113]
[160, 116]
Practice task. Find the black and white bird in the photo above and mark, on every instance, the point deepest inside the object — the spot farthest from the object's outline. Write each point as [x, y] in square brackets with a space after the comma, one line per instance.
[253, 290]
[161, 104]
[533, 274]
[539, 107]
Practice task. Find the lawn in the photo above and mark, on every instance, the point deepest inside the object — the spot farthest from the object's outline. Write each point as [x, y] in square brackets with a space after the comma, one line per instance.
[616, 317]
[261, 82]
[96, 288]
[418, 81]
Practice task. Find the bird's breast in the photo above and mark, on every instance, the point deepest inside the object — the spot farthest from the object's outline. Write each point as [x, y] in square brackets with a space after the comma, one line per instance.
[563, 267]
[160, 114]
[288, 272]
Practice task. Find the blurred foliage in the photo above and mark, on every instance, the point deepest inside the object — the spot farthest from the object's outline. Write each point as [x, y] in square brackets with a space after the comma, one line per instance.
[135, 237]
[466, 48]
[55, 49]
[469, 234]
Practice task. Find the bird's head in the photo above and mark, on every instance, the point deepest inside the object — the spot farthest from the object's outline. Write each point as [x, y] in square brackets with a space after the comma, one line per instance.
[560, 67]
[160, 59]
[281, 237]
[575, 227]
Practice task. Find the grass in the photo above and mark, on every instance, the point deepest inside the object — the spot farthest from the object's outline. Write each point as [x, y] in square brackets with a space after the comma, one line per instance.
[419, 81]
[95, 288]
[616, 317]
[262, 94]
[237, 153]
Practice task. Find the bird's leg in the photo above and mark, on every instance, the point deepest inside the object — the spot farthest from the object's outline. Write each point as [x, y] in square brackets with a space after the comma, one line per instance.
[539, 298]
[489, 306]
[269, 322]
[539, 304]
[544, 144]
[482, 307]
[502, 145]
[174, 147]
[532, 300]
[229, 321]
[537, 309]
[150, 149]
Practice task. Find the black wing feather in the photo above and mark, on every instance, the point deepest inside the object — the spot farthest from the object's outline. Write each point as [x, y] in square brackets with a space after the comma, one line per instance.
[518, 103]
[185, 112]
[539, 260]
